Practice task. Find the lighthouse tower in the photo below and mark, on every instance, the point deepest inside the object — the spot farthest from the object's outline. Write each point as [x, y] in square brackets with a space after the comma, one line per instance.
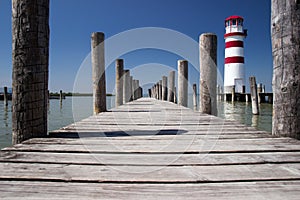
[234, 72]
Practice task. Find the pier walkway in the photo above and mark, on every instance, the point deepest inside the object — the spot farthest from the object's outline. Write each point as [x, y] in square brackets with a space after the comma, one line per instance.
[150, 149]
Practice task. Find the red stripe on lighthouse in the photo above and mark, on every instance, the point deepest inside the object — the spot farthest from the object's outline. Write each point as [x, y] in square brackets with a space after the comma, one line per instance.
[234, 44]
[234, 34]
[235, 59]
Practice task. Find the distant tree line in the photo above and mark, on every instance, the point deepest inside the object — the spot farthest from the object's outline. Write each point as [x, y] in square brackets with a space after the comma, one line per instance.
[70, 94]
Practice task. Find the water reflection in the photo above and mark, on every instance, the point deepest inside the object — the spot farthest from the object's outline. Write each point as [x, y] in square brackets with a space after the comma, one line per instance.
[242, 112]
[5, 115]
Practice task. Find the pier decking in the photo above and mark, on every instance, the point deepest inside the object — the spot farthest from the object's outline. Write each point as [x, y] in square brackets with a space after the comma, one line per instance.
[150, 149]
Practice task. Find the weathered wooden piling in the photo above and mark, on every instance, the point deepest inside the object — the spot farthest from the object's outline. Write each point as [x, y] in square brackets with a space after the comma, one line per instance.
[150, 93]
[98, 72]
[254, 98]
[171, 86]
[259, 90]
[138, 94]
[285, 23]
[182, 82]
[232, 93]
[119, 81]
[135, 89]
[131, 88]
[157, 90]
[126, 86]
[160, 90]
[60, 96]
[175, 95]
[5, 96]
[195, 96]
[164, 88]
[30, 59]
[140, 89]
[208, 73]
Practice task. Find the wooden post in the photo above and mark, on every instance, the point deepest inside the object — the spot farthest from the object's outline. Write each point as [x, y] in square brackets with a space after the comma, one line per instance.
[150, 93]
[126, 86]
[98, 72]
[140, 89]
[135, 89]
[175, 95]
[30, 59]
[160, 90]
[119, 82]
[232, 93]
[195, 96]
[131, 88]
[182, 82]
[60, 96]
[164, 88]
[208, 73]
[246, 98]
[259, 90]
[171, 86]
[254, 100]
[286, 67]
[157, 90]
[244, 89]
[5, 96]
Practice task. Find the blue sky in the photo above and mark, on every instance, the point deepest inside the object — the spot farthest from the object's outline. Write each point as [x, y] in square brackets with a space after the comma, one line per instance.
[73, 21]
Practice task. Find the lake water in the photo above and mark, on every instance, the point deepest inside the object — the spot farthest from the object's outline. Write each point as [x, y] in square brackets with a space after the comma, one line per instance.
[62, 115]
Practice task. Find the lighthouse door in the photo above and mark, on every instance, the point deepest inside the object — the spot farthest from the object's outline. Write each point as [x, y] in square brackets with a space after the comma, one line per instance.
[238, 85]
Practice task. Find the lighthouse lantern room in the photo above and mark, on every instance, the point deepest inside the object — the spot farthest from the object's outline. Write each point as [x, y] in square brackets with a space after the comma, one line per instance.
[234, 72]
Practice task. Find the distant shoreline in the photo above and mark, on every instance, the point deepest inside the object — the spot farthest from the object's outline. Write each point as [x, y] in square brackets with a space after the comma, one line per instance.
[70, 94]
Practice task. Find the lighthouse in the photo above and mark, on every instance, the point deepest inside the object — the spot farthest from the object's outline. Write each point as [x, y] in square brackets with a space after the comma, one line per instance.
[234, 70]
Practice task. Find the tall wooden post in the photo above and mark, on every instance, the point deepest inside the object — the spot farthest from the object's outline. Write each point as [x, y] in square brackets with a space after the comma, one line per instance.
[171, 86]
[60, 95]
[5, 96]
[195, 96]
[30, 58]
[160, 90]
[126, 86]
[137, 90]
[131, 88]
[175, 95]
[157, 90]
[164, 88]
[98, 72]
[254, 98]
[208, 73]
[119, 81]
[233, 93]
[182, 83]
[286, 67]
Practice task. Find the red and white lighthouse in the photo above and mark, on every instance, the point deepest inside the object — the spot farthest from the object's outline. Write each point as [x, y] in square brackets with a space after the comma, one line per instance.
[234, 72]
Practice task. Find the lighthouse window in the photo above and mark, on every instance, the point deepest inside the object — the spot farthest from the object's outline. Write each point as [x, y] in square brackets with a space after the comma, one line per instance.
[228, 23]
[234, 22]
[240, 22]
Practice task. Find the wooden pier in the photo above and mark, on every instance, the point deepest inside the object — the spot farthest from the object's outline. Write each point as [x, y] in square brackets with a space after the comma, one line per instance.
[150, 149]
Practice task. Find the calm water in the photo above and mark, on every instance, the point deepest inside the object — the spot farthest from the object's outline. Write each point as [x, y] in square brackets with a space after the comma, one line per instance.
[61, 114]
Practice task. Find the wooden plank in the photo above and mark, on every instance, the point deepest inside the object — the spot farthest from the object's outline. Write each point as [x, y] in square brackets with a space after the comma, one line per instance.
[173, 146]
[149, 174]
[54, 190]
[151, 159]
[223, 191]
